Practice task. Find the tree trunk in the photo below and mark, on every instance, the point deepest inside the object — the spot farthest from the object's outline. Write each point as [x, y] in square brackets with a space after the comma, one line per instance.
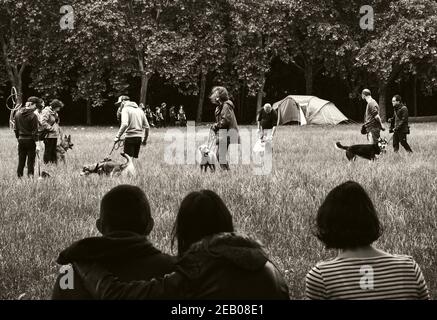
[260, 95]
[201, 96]
[382, 101]
[144, 84]
[88, 113]
[415, 96]
[309, 78]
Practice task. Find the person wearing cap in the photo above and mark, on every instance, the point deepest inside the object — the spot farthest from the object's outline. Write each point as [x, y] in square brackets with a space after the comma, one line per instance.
[50, 124]
[372, 121]
[267, 120]
[119, 104]
[26, 132]
[136, 127]
[125, 223]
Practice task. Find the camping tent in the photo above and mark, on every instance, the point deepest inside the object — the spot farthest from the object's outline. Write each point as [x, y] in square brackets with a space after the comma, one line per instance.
[307, 110]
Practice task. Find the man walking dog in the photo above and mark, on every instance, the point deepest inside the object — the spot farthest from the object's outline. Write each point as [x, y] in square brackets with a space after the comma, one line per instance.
[399, 124]
[134, 123]
[372, 121]
[26, 131]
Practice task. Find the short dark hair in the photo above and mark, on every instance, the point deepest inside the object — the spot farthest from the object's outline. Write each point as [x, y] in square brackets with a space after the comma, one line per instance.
[55, 103]
[201, 214]
[347, 218]
[398, 97]
[125, 208]
[37, 101]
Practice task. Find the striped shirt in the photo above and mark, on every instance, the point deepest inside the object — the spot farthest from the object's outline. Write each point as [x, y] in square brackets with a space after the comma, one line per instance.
[385, 277]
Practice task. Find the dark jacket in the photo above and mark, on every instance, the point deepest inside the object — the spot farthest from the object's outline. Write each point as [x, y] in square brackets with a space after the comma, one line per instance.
[225, 266]
[399, 122]
[26, 124]
[225, 119]
[225, 116]
[127, 255]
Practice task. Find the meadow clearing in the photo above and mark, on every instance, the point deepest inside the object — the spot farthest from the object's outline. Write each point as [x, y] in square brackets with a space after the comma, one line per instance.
[40, 218]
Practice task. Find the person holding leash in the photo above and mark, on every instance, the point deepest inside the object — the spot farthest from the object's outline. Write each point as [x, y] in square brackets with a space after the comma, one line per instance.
[50, 125]
[399, 124]
[26, 132]
[134, 123]
[226, 126]
[372, 121]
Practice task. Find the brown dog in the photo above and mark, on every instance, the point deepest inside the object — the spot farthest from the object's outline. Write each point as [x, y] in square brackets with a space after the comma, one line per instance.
[63, 147]
[110, 168]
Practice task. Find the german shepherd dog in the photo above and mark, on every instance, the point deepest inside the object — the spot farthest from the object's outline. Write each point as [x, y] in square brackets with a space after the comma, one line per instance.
[63, 147]
[110, 168]
[366, 151]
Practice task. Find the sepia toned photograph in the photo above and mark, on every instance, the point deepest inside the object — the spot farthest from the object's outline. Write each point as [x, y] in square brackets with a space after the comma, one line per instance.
[225, 150]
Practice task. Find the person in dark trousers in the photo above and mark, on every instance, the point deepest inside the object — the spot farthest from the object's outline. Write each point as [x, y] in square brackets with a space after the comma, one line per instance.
[125, 223]
[399, 124]
[267, 120]
[215, 262]
[26, 131]
[50, 124]
[136, 127]
[372, 121]
[226, 126]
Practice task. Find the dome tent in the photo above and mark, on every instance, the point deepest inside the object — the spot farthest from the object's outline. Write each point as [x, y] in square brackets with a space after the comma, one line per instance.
[307, 110]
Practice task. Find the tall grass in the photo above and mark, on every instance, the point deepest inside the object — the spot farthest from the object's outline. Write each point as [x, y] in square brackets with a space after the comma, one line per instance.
[40, 218]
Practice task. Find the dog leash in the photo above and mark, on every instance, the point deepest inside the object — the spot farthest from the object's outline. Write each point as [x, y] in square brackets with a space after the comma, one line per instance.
[117, 145]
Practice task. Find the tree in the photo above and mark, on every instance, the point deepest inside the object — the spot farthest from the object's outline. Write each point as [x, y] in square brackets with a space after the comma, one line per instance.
[22, 26]
[258, 37]
[404, 42]
[202, 25]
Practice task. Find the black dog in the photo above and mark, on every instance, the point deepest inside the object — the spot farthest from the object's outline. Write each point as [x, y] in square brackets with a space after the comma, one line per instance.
[366, 151]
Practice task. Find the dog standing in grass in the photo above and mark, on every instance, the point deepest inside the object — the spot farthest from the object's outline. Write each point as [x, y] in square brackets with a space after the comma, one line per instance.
[208, 158]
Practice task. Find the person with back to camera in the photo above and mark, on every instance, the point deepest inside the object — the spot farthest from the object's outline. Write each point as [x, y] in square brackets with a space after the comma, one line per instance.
[347, 221]
[125, 223]
[215, 262]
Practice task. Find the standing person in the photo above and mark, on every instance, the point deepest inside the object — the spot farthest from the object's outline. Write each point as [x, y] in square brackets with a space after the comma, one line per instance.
[119, 105]
[50, 124]
[164, 113]
[399, 124]
[372, 121]
[215, 262]
[125, 223]
[347, 221]
[26, 132]
[226, 126]
[182, 118]
[134, 123]
[267, 120]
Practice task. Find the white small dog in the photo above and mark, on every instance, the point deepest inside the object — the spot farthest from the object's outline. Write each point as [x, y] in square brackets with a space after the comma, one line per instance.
[208, 158]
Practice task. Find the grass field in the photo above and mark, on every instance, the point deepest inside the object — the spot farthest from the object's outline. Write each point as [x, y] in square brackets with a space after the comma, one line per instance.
[39, 219]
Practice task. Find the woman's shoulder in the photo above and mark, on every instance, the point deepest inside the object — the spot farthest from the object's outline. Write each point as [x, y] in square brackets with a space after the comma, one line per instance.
[387, 258]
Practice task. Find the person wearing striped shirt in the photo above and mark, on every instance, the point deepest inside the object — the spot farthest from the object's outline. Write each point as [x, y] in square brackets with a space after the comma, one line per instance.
[347, 221]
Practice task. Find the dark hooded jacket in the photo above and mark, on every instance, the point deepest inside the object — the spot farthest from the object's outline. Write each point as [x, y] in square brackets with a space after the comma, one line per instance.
[127, 255]
[26, 124]
[225, 119]
[224, 266]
